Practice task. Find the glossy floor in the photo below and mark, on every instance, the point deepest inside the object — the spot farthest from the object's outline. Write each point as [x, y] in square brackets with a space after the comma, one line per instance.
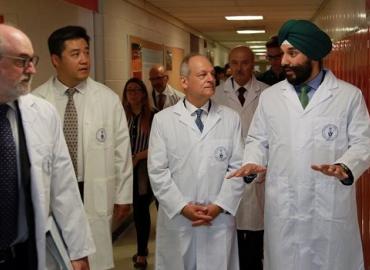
[125, 246]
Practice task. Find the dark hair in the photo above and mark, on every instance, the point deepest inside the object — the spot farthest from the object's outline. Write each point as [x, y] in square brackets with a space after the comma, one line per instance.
[58, 37]
[273, 42]
[146, 110]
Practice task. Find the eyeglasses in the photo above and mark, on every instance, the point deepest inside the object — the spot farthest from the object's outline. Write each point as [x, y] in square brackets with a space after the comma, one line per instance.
[274, 57]
[23, 62]
[157, 78]
[132, 91]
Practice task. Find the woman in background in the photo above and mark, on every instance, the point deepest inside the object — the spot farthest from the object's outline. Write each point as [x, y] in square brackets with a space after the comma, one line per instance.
[139, 118]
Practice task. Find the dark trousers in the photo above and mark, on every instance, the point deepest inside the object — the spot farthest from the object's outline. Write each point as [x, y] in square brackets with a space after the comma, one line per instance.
[19, 258]
[250, 244]
[141, 205]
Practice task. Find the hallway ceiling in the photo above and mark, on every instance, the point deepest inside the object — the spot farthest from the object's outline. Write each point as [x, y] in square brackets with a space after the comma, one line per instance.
[208, 16]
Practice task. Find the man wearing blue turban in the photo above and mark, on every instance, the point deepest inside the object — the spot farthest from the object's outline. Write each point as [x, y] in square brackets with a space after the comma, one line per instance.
[311, 132]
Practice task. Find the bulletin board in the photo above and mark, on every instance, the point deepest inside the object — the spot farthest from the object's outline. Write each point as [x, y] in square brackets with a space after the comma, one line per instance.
[145, 54]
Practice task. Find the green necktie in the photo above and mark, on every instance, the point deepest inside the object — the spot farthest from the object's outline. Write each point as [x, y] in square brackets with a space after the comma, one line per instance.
[303, 96]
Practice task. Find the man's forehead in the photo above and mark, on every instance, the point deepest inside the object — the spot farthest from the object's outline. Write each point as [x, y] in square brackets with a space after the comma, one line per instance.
[75, 43]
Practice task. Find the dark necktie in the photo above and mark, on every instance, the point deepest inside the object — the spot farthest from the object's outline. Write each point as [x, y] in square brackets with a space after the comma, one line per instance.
[303, 95]
[8, 182]
[161, 101]
[241, 97]
[198, 120]
[70, 127]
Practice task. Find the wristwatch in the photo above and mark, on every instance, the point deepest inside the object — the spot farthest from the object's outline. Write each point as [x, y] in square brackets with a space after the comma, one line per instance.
[349, 180]
[249, 178]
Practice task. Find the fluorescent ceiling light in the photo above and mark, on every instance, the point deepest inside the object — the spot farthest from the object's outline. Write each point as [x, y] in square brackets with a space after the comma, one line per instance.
[257, 47]
[243, 18]
[251, 31]
[256, 42]
[259, 53]
[259, 50]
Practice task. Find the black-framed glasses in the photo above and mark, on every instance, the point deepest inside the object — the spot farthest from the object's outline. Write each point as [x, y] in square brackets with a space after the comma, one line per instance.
[23, 62]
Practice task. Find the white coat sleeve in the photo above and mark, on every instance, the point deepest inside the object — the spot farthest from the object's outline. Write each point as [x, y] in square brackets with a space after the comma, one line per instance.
[232, 189]
[65, 201]
[122, 156]
[164, 188]
[256, 143]
[357, 157]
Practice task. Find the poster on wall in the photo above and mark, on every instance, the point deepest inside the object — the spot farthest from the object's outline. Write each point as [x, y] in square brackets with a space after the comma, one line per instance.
[168, 59]
[136, 60]
[150, 57]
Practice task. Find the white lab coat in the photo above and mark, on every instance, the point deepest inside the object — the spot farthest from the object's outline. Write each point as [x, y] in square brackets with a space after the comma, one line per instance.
[53, 183]
[310, 218]
[107, 163]
[250, 212]
[188, 166]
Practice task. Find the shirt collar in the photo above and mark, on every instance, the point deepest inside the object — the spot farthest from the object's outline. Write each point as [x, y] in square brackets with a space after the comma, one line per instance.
[12, 105]
[165, 92]
[314, 83]
[191, 108]
[236, 86]
[61, 88]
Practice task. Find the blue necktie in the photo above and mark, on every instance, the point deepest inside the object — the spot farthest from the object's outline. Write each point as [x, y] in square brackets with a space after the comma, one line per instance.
[8, 182]
[198, 121]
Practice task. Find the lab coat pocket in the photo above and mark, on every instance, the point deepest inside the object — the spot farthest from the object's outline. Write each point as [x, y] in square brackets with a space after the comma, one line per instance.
[278, 196]
[333, 200]
[104, 195]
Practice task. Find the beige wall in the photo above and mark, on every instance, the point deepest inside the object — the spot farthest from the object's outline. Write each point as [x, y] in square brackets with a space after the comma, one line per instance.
[123, 19]
[109, 31]
[38, 18]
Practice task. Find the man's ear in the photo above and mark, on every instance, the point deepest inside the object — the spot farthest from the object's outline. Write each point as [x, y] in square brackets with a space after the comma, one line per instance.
[55, 60]
[184, 82]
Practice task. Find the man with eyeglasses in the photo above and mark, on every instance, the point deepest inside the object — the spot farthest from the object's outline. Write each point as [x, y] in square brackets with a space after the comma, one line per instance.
[36, 172]
[274, 54]
[163, 94]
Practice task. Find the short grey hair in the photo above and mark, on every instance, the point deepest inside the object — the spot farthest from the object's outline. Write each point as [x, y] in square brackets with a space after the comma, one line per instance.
[184, 67]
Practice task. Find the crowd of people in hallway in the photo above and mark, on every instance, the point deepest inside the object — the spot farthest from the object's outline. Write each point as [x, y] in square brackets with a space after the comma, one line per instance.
[256, 173]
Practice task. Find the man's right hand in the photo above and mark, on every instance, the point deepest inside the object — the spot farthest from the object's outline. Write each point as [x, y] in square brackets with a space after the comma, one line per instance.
[247, 169]
[197, 214]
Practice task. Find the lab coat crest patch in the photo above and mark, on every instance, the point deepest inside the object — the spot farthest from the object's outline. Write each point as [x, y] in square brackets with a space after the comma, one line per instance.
[330, 132]
[101, 135]
[220, 153]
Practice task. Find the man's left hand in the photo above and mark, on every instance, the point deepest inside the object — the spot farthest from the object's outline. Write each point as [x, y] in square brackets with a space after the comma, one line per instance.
[213, 210]
[121, 211]
[80, 264]
[331, 170]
